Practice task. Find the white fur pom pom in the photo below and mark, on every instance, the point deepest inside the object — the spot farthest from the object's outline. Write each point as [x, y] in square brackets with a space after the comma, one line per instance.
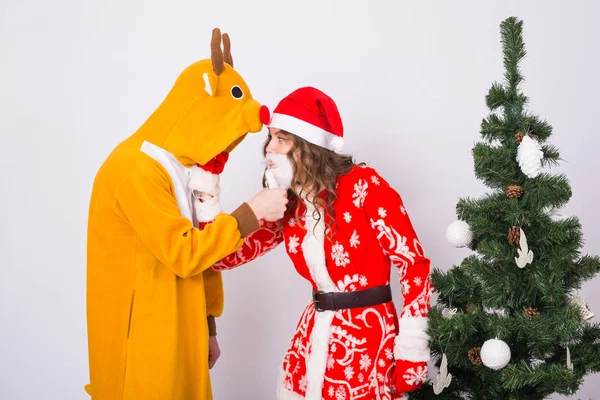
[337, 144]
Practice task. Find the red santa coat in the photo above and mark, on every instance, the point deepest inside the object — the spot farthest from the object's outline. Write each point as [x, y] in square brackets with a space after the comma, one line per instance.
[356, 353]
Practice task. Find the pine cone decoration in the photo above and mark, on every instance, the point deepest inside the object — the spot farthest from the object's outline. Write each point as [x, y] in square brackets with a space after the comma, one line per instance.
[514, 191]
[475, 355]
[530, 312]
[519, 137]
[530, 156]
[514, 235]
[470, 308]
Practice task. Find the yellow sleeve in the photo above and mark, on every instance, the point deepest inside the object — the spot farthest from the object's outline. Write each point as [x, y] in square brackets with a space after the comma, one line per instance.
[145, 200]
[213, 290]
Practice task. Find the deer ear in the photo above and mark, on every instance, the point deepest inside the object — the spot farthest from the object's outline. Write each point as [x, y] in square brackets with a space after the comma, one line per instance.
[210, 83]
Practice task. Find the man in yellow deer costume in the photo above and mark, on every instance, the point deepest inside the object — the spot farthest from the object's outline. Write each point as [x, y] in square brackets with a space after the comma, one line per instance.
[151, 295]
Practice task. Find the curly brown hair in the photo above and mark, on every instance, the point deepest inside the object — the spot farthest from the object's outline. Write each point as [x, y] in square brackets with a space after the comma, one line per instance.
[317, 171]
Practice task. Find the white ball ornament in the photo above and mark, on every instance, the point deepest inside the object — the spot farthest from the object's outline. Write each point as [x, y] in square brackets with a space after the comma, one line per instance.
[495, 354]
[459, 234]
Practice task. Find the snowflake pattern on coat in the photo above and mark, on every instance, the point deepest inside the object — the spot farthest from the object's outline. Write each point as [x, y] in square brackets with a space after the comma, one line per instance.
[347, 217]
[339, 255]
[293, 244]
[373, 235]
[360, 193]
[354, 239]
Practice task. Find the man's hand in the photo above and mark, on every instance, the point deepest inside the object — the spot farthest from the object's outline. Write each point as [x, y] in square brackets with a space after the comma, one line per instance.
[213, 351]
[269, 204]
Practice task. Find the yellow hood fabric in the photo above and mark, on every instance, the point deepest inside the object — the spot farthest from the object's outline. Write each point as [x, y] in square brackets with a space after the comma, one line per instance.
[149, 282]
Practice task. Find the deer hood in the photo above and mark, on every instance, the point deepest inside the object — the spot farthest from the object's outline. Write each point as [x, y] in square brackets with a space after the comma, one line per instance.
[209, 110]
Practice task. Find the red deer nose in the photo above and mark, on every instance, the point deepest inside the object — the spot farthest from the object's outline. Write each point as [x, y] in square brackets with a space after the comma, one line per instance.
[265, 115]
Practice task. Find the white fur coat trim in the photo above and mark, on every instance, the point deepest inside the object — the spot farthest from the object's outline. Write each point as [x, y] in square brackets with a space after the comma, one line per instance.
[412, 343]
[313, 249]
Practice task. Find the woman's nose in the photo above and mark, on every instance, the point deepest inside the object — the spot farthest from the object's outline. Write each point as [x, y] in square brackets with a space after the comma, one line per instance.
[270, 147]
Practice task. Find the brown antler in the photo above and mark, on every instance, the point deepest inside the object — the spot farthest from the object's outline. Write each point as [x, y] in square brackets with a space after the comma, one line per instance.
[227, 49]
[216, 54]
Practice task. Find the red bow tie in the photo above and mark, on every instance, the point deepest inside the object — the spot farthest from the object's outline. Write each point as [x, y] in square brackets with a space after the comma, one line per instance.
[217, 164]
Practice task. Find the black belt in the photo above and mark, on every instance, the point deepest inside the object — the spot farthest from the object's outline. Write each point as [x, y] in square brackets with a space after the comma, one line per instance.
[332, 301]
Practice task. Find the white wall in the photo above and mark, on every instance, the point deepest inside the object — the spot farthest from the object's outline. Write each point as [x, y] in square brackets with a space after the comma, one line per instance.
[409, 77]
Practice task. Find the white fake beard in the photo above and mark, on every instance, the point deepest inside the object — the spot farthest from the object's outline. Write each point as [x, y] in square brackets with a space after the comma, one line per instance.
[205, 193]
[280, 171]
[204, 182]
[207, 210]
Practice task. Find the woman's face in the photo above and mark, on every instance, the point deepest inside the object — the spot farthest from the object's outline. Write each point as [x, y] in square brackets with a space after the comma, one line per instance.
[279, 142]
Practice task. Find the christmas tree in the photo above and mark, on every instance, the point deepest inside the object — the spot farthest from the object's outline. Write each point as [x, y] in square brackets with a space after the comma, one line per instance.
[508, 323]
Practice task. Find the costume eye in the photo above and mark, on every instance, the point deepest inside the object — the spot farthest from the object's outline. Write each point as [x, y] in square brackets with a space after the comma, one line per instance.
[237, 92]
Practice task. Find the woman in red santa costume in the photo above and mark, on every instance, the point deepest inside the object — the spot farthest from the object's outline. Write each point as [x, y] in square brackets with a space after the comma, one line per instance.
[345, 228]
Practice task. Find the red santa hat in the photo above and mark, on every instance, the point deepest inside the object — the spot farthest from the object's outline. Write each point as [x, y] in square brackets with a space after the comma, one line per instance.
[312, 115]
[216, 164]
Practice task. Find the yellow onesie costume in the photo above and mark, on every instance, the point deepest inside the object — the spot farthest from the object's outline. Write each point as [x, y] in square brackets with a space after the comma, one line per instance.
[149, 283]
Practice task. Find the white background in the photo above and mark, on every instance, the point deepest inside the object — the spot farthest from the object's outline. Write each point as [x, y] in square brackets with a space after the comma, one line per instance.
[77, 77]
